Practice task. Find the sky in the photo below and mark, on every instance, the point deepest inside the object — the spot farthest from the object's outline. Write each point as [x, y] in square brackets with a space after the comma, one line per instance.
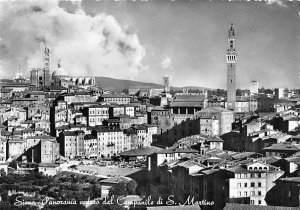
[146, 40]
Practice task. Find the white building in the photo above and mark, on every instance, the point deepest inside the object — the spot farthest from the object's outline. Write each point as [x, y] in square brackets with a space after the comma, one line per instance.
[209, 125]
[253, 87]
[253, 180]
[279, 93]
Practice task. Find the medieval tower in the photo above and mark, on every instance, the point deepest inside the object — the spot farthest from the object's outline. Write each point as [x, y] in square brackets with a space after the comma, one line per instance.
[231, 57]
[47, 58]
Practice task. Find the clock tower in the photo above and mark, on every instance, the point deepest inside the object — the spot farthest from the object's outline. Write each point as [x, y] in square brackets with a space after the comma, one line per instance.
[231, 57]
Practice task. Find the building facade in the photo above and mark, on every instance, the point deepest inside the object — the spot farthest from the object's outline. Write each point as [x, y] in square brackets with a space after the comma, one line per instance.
[225, 118]
[253, 181]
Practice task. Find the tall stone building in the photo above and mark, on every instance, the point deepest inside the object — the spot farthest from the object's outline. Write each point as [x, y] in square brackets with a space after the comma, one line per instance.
[47, 58]
[40, 77]
[166, 84]
[231, 57]
[253, 87]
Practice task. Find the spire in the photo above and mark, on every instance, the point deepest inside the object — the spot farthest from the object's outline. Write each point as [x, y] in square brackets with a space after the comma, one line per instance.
[47, 50]
[231, 31]
[19, 74]
[231, 39]
[19, 70]
[47, 57]
[59, 64]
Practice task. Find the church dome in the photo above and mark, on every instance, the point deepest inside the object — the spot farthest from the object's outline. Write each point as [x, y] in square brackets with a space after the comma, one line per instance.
[60, 71]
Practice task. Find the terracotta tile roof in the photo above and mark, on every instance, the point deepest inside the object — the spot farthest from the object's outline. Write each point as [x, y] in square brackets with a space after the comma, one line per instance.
[214, 110]
[235, 206]
[186, 104]
[141, 151]
[284, 146]
[184, 207]
[178, 150]
[291, 179]
[214, 139]
[243, 155]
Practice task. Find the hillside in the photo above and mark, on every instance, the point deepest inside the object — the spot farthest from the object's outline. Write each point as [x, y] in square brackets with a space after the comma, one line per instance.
[120, 84]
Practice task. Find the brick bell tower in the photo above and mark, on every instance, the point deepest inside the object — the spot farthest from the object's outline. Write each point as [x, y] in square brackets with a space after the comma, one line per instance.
[231, 57]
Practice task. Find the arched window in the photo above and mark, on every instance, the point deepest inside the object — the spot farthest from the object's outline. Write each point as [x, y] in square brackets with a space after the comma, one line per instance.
[260, 168]
[255, 168]
[250, 168]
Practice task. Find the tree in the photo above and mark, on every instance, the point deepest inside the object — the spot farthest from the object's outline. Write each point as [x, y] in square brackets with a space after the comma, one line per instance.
[2, 172]
[13, 164]
[113, 206]
[118, 189]
[131, 187]
[238, 92]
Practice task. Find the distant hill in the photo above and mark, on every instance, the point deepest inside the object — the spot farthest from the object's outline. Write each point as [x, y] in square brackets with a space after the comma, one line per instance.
[121, 84]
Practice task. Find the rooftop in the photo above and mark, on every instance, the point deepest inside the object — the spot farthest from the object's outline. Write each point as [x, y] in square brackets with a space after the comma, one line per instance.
[244, 155]
[283, 146]
[291, 179]
[114, 96]
[186, 104]
[177, 150]
[235, 206]
[214, 110]
[140, 152]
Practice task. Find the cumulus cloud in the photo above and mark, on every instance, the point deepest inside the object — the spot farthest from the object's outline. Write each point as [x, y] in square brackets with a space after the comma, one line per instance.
[278, 2]
[87, 45]
[166, 62]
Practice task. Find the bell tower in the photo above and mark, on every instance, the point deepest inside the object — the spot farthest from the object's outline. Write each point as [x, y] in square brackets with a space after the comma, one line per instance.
[231, 57]
[47, 58]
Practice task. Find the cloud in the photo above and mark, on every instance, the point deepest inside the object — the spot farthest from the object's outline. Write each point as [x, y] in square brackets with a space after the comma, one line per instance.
[166, 62]
[87, 45]
[278, 2]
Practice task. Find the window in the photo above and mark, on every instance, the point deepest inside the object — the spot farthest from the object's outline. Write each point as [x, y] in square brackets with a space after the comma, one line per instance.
[245, 185]
[252, 202]
[259, 175]
[239, 185]
[252, 184]
[259, 201]
[259, 184]
[252, 175]
[252, 193]
[245, 194]
[259, 192]
[240, 193]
